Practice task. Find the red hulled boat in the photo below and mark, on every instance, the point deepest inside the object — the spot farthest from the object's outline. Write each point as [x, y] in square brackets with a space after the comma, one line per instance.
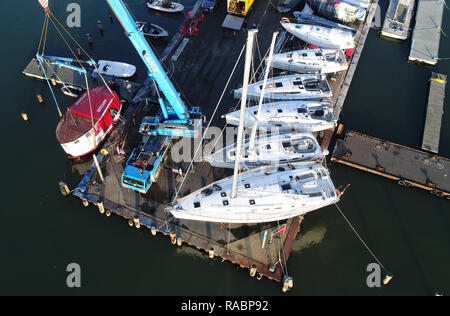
[86, 124]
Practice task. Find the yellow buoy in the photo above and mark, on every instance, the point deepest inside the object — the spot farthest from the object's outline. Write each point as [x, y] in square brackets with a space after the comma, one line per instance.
[85, 202]
[130, 223]
[101, 208]
[108, 213]
[153, 230]
[53, 81]
[211, 253]
[179, 242]
[137, 223]
[387, 279]
[253, 271]
[173, 238]
[25, 116]
[40, 98]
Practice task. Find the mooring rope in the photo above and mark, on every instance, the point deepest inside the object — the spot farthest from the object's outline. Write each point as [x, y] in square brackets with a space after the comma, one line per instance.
[209, 124]
[362, 241]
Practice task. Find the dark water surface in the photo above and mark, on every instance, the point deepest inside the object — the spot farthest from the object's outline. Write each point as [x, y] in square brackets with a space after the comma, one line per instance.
[41, 232]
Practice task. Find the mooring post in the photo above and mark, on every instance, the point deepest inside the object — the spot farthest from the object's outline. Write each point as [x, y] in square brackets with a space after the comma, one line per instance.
[98, 168]
[100, 27]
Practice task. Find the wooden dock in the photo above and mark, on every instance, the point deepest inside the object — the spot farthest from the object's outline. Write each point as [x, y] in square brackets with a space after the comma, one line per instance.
[206, 61]
[408, 166]
[427, 32]
[67, 76]
[341, 82]
[435, 109]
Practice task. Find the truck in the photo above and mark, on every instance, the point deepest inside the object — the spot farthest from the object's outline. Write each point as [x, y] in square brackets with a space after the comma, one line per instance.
[145, 162]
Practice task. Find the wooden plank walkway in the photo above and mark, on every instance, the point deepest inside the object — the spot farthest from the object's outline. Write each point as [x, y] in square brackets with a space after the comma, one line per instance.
[62, 75]
[435, 109]
[427, 32]
[408, 166]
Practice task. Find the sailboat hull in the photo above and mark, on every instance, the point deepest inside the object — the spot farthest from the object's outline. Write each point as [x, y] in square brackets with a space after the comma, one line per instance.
[261, 196]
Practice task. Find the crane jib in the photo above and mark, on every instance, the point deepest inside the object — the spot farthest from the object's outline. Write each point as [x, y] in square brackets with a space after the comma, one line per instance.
[151, 60]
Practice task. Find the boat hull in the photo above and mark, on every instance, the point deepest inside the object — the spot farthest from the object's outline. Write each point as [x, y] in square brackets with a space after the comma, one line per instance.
[88, 122]
[331, 41]
[276, 149]
[158, 5]
[292, 87]
[289, 116]
[295, 62]
[116, 69]
[261, 196]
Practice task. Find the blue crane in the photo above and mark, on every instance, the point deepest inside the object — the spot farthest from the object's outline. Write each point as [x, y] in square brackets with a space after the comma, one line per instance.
[176, 120]
[144, 164]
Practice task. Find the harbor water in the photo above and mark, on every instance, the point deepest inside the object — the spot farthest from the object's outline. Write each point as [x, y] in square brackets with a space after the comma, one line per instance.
[41, 232]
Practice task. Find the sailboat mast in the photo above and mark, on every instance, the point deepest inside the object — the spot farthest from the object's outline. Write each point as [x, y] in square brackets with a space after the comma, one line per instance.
[261, 98]
[248, 58]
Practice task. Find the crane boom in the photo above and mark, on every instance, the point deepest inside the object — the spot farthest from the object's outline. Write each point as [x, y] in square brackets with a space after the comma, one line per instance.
[177, 109]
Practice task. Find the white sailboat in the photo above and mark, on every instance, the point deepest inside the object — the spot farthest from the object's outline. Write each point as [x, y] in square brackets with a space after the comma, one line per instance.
[311, 61]
[274, 149]
[291, 87]
[306, 116]
[321, 36]
[262, 195]
[165, 6]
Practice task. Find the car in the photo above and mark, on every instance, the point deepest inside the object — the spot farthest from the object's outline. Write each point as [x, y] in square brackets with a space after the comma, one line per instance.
[208, 5]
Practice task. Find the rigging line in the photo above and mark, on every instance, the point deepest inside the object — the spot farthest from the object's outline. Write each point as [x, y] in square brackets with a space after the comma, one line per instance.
[42, 33]
[90, 107]
[45, 38]
[51, 90]
[209, 124]
[76, 57]
[67, 44]
[57, 77]
[229, 233]
[282, 249]
[365, 245]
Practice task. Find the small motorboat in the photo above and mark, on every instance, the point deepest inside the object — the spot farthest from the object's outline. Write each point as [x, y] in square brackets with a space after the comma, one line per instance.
[321, 36]
[165, 6]
[291, 87]
[71, 91]
[115, 68]
[287, 116]
[273, 149]
[152, 30]
[311, 61]
[88, 122]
